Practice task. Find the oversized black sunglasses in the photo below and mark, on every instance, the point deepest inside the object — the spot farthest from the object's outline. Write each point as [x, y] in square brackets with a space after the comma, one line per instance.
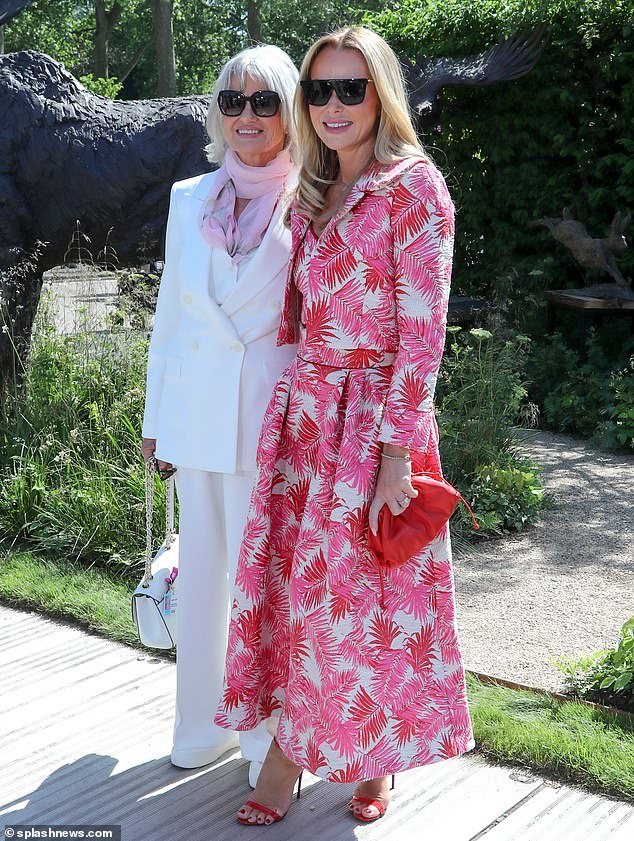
[349, 91]
[263, 103]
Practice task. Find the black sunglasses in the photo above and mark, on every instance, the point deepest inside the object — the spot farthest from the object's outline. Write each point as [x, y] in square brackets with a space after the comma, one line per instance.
[263, 103]
[349, 91]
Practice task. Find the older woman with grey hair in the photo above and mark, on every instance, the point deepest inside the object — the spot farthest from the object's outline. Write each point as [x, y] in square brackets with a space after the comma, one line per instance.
[213, 361]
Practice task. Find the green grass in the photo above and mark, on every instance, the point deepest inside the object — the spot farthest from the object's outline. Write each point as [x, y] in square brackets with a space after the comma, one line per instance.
[90, 597]
[568, 740]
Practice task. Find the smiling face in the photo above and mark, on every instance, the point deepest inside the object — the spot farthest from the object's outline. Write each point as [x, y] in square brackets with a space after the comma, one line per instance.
[350, 130]
[255, 140]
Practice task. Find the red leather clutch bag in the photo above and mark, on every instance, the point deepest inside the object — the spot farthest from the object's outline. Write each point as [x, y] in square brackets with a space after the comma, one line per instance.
[400, 538]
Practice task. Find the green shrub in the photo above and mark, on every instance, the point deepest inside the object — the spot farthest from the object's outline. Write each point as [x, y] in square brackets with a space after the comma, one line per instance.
[479, 396]
[515, 151]
[103, 87]
[593, 397]
[72, 482]
[618, 431]
[606, 677]
[507, 498]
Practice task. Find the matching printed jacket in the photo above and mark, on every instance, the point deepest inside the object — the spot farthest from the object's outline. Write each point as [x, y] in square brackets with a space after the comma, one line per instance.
[378, 283]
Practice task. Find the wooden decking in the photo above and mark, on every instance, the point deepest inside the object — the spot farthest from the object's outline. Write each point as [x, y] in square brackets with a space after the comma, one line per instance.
[85, 739]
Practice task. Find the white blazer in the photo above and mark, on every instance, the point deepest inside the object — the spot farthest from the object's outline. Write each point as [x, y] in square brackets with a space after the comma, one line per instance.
[211, 369]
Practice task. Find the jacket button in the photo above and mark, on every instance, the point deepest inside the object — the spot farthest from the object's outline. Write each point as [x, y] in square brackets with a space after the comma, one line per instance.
[195, 345]
[187, 299]
[238, 347]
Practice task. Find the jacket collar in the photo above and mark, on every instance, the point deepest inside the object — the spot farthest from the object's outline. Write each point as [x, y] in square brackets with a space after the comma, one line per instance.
[202, 185]
[372, 180]
[269, 259]
[378, 176]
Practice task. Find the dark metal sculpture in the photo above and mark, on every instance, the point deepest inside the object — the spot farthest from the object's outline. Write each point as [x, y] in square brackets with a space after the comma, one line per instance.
[67, 155]
[10, 8]
[510, 59]
[591, 252]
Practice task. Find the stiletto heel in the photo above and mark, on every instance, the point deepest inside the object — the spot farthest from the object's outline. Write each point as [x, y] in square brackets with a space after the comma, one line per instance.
[299, 784]
[393, 782]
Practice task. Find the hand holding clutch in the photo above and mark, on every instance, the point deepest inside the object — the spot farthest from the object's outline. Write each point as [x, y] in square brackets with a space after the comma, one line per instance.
[401, 537]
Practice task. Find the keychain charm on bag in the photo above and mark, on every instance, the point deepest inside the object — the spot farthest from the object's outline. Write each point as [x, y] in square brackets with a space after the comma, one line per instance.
[171, 599]
[155, 600]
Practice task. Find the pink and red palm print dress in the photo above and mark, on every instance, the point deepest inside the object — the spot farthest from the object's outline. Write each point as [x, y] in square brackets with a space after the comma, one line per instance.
[361, 690]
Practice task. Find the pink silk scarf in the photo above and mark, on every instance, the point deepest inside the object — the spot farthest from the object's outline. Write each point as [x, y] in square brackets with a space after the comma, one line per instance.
[263, 185]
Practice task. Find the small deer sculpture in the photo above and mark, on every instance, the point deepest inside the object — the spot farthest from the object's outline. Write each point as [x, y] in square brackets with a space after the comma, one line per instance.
[589, 252]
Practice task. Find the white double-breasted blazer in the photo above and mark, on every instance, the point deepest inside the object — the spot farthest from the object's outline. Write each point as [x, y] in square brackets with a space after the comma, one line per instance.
[212, 368]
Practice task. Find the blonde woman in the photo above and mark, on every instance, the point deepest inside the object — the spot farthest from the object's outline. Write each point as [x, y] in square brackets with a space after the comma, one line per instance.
[212, 365]
[363, 686]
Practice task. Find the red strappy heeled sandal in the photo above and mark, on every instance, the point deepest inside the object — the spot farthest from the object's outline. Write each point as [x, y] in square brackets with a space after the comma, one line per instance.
[368, 801]
[270, 813]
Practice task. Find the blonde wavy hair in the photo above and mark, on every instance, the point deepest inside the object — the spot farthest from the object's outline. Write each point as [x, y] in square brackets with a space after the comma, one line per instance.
[395, 138]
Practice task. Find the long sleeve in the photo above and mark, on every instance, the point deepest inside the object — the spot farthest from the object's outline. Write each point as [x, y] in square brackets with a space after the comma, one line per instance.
[422, 219]
[166, 321]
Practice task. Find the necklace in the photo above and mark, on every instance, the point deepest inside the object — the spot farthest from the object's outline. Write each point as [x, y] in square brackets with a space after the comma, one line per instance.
[346, 186]
[341, 189]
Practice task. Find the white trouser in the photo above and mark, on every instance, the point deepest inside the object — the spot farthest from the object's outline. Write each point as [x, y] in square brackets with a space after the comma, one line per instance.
[213, 511]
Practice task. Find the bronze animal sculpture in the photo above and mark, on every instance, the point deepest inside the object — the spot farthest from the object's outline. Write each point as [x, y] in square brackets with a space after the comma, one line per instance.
[590, 252]
[510, 59]
[10, 8]
[67, 155]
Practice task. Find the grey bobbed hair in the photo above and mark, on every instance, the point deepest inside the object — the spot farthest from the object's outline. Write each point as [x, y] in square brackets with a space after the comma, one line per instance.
[269, 65]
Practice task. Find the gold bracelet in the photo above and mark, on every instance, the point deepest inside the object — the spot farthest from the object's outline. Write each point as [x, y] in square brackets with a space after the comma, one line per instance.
[396, 458]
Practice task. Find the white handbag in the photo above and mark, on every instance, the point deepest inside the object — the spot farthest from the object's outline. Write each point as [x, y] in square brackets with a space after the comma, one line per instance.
[154, 602]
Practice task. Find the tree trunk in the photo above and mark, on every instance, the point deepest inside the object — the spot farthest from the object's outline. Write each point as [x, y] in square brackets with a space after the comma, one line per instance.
[254, 21]
[1, 40]
[164, 43]
[104, 26]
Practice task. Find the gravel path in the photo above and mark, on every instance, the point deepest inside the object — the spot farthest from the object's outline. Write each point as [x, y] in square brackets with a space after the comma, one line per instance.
[564, 587]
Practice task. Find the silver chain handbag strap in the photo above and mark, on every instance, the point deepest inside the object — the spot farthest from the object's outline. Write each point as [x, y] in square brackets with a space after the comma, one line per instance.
[150, 468]
[169, 511]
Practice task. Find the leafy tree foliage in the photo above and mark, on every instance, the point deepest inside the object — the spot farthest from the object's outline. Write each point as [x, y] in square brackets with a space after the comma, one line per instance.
[294, 26]
[63, 30]
[562, 136]
[206, 34]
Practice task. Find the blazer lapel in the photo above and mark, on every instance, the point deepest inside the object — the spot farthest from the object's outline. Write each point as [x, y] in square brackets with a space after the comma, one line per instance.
[198, 256]
[197, 259]
[270, 258]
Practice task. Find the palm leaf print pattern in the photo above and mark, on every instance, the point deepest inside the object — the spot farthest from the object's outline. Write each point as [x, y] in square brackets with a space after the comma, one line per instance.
[360, 691]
